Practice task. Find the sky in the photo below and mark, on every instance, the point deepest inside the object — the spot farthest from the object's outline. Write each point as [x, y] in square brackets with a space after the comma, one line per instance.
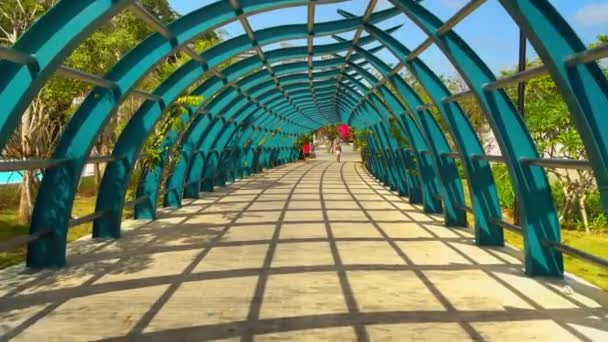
[489, 30]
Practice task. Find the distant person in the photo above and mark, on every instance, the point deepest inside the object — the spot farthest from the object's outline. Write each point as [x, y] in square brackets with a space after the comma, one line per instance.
[338, 151]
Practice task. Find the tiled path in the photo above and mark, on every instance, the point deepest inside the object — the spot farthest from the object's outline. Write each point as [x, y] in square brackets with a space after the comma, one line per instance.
[309, 251]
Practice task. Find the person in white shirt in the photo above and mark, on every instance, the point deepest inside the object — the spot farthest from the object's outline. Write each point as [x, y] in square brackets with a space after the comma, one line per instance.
[338, 151]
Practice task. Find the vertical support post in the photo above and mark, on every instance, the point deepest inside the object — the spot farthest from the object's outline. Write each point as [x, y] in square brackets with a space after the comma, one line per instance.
[521, 103]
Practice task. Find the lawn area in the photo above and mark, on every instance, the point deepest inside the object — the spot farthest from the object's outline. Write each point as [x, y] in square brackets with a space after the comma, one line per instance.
[84, 204]
[593, 243]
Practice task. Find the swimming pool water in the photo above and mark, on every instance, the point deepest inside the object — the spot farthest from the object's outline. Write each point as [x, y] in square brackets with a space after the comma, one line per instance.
[10, 178]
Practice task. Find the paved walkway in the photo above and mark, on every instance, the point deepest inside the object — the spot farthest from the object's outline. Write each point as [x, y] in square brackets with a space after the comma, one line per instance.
[314, 250]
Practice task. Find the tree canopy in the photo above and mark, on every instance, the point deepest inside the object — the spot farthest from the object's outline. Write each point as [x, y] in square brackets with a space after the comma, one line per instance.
[43, 122]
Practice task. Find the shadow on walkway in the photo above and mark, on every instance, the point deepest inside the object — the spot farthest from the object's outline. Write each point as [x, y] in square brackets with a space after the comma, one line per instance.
[313, 250]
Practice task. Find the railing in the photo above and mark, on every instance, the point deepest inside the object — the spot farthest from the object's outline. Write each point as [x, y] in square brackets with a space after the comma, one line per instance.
[20, 241]
[35, 164]
[544, 162]
[582, 57]
[576, 164]
[19, 57]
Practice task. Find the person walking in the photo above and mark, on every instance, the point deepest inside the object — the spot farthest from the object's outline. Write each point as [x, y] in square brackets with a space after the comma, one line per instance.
[338, 151]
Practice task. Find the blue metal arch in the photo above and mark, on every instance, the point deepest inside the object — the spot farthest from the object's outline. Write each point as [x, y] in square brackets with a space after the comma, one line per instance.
[483, 192]
[531, 185]
[298, 107]
[54, 203]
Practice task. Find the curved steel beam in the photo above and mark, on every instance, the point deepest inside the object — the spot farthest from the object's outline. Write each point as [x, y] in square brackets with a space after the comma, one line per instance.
[151, 181]
[58, 187]
[194, 172]
[39, 53]
[530, 183]
[73, 21]
[55, 199]
[583, 86]
[436, 143]
[46, 49]
[483, 192]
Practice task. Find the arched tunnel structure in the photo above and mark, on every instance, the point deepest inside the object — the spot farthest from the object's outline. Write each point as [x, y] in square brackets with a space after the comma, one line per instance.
[279, 95]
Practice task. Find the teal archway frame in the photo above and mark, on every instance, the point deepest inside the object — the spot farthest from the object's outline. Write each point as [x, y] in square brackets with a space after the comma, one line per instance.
[250, 98]
[151, 181]
[59, 184]
[530, 183]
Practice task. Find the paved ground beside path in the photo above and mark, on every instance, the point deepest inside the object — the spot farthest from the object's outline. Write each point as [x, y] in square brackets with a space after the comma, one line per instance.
[313, 251]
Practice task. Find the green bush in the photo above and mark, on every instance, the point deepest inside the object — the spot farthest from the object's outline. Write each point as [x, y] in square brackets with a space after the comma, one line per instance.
[594, 205]
[506, 195]
[596, 216]
[558, 195]
[360, 141]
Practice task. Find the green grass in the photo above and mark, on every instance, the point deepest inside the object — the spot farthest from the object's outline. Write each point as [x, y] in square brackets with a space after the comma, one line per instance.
[593, 243]
[9, 227]
[84, 204]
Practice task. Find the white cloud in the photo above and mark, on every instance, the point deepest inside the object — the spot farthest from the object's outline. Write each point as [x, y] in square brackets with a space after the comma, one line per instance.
[592, 15]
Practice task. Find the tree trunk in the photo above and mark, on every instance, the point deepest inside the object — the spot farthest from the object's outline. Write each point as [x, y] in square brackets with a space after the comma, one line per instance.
[97, 169]
[566, 206]
[97, 175]
[17, 18]
[583, 209]
[103, 149]
[25, 198]
[26, 203]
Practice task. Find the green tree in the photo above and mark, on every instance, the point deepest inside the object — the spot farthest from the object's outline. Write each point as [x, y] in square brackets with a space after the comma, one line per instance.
[330, 132]
[550, 124]
[360, 141]
[43, 121]
[37, 129]
[601, 40]
[302, 140]
[397, 133]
